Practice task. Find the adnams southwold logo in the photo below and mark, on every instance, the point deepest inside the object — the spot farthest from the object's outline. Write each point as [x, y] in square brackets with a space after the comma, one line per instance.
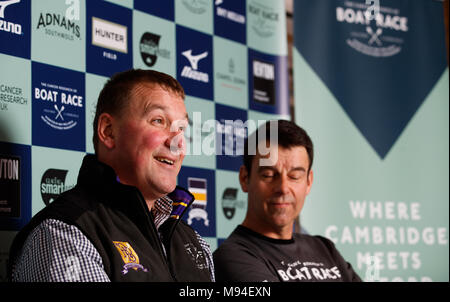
[375, 31]
[59, 25]
[230, 202]
[5, 25]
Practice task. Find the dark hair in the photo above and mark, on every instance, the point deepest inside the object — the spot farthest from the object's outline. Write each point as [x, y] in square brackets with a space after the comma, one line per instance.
[118, 90]
[289, 135]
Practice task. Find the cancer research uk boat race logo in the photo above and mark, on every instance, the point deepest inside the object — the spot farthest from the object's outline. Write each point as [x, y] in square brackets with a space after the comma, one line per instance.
[376, 31]
[58, 107]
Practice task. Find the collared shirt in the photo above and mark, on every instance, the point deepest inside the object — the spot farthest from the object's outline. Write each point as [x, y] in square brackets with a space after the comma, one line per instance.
[59, 252]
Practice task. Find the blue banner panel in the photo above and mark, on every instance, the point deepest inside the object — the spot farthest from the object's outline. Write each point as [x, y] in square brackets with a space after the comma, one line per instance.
[374, 66]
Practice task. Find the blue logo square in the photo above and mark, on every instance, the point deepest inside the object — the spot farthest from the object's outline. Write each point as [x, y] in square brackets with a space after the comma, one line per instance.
[230, 20]
[108, 37]
[15, 28]
[163, 9]
[195, 62]
[201, 215]
[230, 136]
[268, 83]
[15, 186]
[58, 109]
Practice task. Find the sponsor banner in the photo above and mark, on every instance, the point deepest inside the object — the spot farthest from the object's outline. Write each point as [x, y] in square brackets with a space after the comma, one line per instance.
[268, 83]
[202, 213]
[195, 14]
[15, 18]
[94, 85]
[58, 33]
[109, 40]
[164, 9]
[379, 82]
[154, 43]
[231, 203]
[15, 181]
[266, 26]
[200, 134]
[15, 101]
[231, 131]
[53, 172]
[230, 20]
[58, 107]
[195, 62]
[230, 73]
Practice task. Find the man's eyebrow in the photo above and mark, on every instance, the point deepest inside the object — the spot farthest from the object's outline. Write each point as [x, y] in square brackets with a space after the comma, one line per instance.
[272, 168]
[150, 107]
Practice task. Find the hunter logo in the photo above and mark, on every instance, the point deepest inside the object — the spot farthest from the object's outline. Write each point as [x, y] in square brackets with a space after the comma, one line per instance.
[6, 25]
[380, 35]
[265, 19]
[150, 51]
[230, 202]
[53, 183]
[192, 72]
[53, 23]
[9, 186]
[198, 7]
[109, 35]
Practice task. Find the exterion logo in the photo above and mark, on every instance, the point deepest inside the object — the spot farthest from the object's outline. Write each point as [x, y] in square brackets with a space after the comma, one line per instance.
[6, 25]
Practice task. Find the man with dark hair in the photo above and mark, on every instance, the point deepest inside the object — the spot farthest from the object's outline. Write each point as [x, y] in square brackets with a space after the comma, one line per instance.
[264, 247]
[122, 221]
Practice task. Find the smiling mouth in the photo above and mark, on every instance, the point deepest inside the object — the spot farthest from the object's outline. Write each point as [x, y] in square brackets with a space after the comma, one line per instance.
[165, 161]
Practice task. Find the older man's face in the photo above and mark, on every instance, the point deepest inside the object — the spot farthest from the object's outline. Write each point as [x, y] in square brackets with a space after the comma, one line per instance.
[150, 145]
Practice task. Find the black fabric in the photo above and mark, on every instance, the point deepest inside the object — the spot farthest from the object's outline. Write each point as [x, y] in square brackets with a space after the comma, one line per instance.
[114, 216]
[247, 256]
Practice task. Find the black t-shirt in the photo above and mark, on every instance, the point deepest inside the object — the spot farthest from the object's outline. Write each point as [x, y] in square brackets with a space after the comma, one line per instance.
[247, 256]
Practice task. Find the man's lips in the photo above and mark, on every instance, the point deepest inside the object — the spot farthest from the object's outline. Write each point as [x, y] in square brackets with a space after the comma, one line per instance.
[165, 160]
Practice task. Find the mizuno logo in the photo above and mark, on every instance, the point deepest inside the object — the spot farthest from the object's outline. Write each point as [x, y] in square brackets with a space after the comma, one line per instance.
[194, 59]
[4, 4]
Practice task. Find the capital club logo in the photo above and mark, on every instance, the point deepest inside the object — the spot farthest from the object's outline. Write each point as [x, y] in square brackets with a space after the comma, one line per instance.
[7, 26]
[377, 35]
[53, 183]
[192, 71]
[265, 19]
[9, 186]
[230, 202]
[150, 50]
[198, 188]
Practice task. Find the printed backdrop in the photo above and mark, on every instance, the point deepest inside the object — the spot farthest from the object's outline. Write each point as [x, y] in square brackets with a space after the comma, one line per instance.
[371, 88]
[55, 56]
